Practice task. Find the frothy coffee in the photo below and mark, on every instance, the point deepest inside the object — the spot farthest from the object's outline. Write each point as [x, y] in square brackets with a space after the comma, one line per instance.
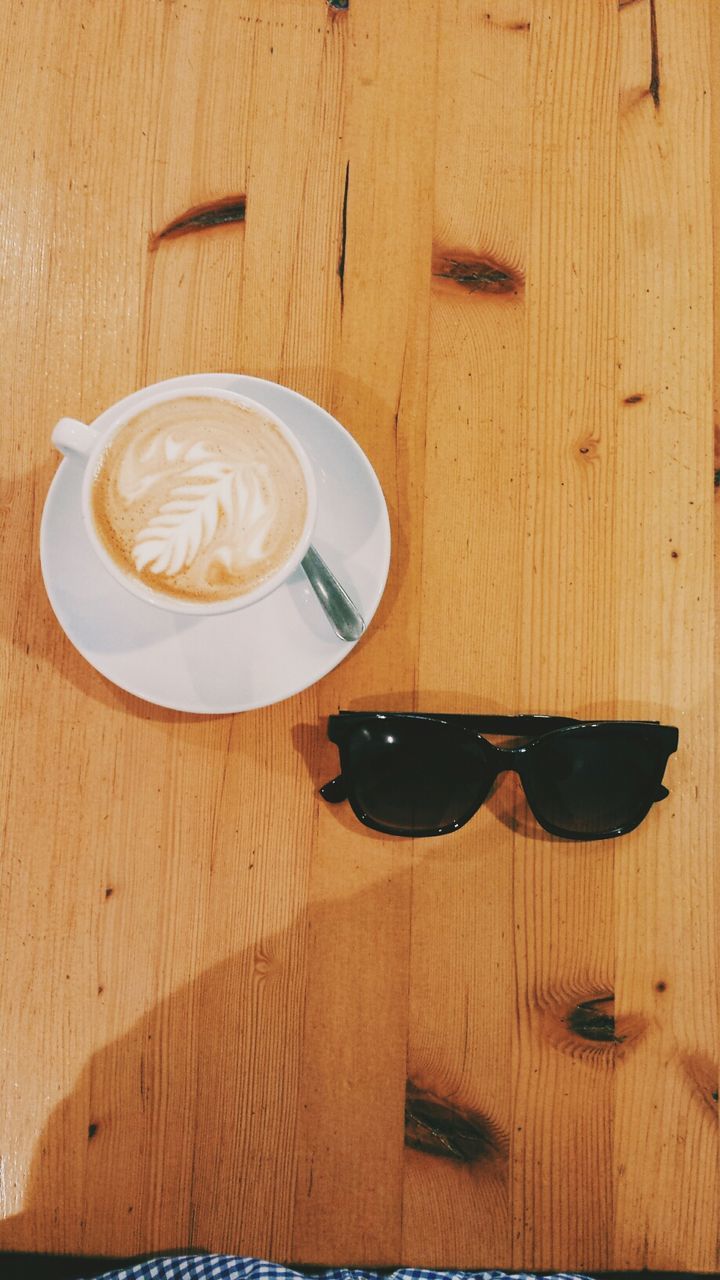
[199, 497]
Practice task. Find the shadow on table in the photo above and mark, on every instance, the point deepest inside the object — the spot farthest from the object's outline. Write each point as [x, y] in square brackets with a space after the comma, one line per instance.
[180, 1134]
[151, 1147]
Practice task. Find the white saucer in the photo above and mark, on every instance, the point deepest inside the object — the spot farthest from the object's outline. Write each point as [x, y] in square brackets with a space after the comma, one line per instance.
[233, 661]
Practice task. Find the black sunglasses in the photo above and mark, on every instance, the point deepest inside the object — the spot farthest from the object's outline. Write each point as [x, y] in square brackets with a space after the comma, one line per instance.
[411, 774]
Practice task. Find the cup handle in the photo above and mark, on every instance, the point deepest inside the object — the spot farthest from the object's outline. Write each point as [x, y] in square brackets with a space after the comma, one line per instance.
[73, 438]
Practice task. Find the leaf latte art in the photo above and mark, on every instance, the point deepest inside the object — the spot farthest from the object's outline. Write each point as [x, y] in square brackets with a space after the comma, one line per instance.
[190, 520]
[199, 497]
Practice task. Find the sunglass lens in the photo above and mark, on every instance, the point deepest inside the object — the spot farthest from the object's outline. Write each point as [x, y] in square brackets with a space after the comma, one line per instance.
[415, 777]
[592, 782]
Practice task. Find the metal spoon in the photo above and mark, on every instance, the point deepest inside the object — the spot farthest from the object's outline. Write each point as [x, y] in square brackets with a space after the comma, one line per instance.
[344, 617]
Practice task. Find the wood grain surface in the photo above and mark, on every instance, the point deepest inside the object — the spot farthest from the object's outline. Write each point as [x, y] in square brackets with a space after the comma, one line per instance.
[481, 235]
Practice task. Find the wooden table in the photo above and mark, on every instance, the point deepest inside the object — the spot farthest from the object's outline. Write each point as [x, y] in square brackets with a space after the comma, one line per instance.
[481, 236]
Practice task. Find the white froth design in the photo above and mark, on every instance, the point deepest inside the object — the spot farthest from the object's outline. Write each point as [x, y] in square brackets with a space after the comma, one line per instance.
[132, 485]
[207, 493]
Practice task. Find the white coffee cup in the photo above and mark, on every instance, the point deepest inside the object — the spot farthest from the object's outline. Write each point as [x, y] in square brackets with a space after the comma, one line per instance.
[86, 445]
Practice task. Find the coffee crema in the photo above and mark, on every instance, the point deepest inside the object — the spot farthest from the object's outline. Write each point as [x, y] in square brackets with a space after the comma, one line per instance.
[200, 498]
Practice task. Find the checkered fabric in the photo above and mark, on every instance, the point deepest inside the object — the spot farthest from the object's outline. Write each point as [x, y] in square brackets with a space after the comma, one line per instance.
[221, 1267]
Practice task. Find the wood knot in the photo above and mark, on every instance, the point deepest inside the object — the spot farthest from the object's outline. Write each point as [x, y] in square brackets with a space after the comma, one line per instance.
[636, 398]
[266, 965]
[217, 213]
[588, 449]
[475, 273]
[439, 1128]
[595, 1020]
[702, 1075]
[590, 1028]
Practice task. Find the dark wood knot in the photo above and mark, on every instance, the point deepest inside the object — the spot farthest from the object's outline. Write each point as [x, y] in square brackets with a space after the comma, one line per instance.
[590, 1029]
[439, 1128]
[217, 213]
[595, 1020]
[475, 273]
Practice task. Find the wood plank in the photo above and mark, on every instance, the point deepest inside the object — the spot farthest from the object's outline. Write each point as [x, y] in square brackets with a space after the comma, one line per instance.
[562, 1197]
[665, 1145]
[457, 1211]
[349, 1197]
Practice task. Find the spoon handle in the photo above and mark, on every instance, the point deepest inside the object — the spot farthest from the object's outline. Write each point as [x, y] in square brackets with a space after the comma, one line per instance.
[344, 617]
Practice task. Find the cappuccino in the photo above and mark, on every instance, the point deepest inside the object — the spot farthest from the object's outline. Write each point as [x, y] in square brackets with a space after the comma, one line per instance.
[200, 498]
